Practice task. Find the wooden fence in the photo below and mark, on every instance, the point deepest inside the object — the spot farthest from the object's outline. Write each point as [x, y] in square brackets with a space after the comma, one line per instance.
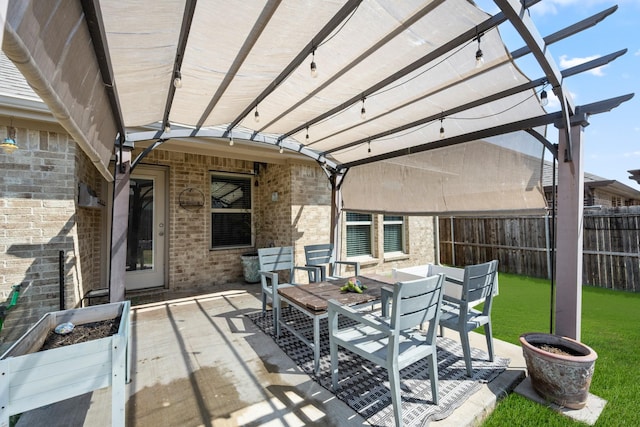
[522, 245]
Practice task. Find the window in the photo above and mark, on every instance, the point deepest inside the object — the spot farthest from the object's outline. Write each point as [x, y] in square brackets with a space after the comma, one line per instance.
[616, 201]
[358, 234]
[231, 215]
[393, 233]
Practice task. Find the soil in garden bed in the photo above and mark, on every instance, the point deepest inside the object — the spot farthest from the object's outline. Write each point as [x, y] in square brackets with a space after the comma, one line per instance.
[557, 349]
[82, 333]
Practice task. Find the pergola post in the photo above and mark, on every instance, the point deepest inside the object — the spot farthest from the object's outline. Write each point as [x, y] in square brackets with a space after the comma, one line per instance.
[569, 236]
[119, 227]
[336, 211]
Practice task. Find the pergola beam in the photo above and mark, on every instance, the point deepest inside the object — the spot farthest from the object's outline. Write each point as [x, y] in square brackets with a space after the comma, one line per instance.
[325, 32]
[519, 18]
[547, 119]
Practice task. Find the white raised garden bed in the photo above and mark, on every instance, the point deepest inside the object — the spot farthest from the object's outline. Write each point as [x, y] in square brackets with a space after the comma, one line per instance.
[30, 378]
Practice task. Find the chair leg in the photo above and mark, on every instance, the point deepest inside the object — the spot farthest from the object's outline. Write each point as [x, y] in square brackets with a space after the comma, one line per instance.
[264, 303]
[466, 350]
[433, 375]
[489, 336]
[333, 350]
[276, 315]
[396, 400]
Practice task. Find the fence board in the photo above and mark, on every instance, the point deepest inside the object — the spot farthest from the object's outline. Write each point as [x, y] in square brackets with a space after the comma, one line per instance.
[611, 245]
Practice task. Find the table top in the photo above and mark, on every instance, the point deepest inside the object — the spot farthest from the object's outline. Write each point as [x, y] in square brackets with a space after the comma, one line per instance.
[314, 296]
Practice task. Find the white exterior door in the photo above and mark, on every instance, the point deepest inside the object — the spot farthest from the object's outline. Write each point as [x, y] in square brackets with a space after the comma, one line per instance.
[147, 229]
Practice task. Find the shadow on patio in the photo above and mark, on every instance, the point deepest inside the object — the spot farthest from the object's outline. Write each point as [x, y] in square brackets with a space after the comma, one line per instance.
[199, 360]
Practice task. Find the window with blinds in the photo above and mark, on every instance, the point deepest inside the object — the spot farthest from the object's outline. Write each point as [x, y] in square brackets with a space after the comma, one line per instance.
[393, 233]
[358, 234]
[231, 214]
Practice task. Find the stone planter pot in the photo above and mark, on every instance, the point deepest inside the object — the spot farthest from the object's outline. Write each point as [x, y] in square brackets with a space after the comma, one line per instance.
[33, 378]
[558, 377]
[250, 267]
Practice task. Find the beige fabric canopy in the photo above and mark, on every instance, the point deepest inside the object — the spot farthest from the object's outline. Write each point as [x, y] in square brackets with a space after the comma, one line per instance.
[107, 70]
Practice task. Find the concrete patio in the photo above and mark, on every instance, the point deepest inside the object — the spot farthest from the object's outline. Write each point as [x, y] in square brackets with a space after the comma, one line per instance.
[198, 361]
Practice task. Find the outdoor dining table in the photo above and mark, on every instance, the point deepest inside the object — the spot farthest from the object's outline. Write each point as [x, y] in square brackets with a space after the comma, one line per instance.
[312, 301]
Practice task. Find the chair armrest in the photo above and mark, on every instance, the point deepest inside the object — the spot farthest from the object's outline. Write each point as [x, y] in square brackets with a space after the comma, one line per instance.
[354, 264]
[271, 275]
[335, 308]
[386, 294]
[316, 271]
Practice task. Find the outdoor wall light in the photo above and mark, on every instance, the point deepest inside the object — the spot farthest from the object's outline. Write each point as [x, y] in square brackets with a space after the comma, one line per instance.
[9, 144]
[314, 68]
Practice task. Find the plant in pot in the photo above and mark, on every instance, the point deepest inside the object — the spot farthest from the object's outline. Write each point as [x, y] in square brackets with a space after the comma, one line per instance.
[560, 368]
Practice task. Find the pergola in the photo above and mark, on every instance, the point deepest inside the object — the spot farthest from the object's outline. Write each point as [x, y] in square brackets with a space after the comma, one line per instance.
[379, 93]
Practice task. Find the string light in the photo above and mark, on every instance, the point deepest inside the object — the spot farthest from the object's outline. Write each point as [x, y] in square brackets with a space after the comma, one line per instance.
[441, 128]
[369, 148]
[314, 68]
[363, 111]
[479, 54]
[177, 81]
[231, 138]
[307, 137]
[256, 115]
[281, 149]
[544, 98]
[167, 128]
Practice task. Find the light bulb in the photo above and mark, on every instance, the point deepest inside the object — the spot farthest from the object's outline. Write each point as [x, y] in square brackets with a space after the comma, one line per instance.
[307, 136]
[256, 116]
[369, 148]
[441, 132]
[363, 113]
[177, 82]
[314, 68]
[231, 141]
[167, 128]
[281, 150]
[479, 57]
[544, 99]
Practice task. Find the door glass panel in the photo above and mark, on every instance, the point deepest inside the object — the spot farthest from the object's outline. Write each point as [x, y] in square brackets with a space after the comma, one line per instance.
[140, 236]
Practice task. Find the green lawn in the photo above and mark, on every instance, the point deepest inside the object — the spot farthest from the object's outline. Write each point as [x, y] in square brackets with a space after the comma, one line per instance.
[610, 325]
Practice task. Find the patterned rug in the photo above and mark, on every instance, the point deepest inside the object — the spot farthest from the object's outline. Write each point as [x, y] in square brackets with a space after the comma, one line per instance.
[364, 386]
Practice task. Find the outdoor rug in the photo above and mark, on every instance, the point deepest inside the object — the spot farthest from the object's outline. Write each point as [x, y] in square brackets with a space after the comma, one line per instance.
[364, 386]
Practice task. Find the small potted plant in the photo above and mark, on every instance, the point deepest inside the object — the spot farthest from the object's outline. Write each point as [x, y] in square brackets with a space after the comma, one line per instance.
[560, 368]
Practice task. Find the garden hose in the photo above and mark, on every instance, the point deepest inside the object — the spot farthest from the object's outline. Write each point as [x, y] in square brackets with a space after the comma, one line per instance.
[5, 308]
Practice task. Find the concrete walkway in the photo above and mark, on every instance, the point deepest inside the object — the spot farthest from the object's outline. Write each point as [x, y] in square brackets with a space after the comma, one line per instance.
[198, 361]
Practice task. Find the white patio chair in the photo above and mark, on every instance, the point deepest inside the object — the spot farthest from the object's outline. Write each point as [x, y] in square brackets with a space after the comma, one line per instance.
[393, 342]
[458, 313]
[272, 261]
[321, 255]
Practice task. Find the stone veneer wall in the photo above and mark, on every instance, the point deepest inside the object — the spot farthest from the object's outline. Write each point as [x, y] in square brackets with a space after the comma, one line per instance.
[38, 219]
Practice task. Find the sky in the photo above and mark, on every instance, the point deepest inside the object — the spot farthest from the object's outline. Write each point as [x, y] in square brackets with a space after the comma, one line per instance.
[612, 139]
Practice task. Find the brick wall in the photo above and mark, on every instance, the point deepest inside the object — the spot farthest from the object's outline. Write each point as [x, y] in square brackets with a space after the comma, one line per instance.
[38, 219]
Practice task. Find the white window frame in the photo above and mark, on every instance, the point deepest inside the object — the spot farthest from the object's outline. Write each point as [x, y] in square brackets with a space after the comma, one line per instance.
[402, 222]
[368, 223]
